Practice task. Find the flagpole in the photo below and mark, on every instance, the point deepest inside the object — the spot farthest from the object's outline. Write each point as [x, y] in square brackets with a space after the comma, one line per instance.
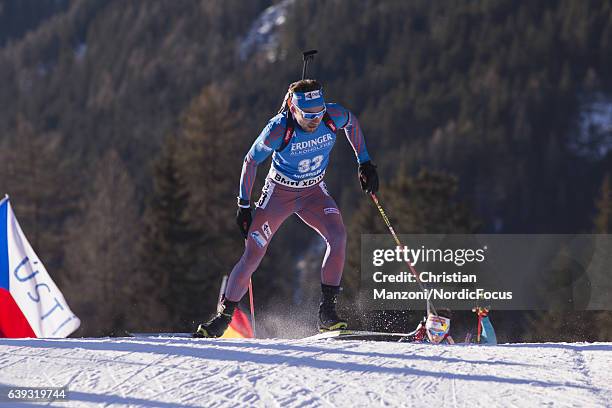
[58, 322]
[252, 307]
[222, 290]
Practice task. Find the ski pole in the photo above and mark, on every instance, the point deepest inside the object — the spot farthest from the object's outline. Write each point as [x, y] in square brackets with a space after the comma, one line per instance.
[479, 328]
[252, 307]
[430, 306]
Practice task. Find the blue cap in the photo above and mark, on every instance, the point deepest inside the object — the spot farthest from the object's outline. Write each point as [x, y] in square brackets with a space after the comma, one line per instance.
[310, 99]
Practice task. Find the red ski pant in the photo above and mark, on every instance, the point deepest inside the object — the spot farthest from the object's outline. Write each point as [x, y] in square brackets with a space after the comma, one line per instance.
[277, 202]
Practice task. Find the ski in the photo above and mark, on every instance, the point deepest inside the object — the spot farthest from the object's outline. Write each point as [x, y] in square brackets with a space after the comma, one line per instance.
[359, 335]
[163, 335]
[333, 335]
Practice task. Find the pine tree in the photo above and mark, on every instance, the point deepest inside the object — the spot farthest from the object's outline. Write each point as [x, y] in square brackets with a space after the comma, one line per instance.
[169, 249]
[208, 157]
[43, 185]
[567, 325]
[100, 251]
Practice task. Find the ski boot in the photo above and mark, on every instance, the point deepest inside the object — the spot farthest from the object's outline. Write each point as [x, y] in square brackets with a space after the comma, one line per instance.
[216, 326]
[328, 318]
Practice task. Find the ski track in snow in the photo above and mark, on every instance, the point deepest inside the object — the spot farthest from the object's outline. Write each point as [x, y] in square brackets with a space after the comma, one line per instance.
[162, 372]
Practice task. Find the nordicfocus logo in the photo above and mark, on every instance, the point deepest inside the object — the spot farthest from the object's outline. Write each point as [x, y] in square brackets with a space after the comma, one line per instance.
[308, 146]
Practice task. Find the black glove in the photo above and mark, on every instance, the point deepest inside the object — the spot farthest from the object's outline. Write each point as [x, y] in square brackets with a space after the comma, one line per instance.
[368, 177]
[244, 219]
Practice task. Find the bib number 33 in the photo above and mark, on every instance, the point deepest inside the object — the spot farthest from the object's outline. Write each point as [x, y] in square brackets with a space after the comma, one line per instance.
[306, 165]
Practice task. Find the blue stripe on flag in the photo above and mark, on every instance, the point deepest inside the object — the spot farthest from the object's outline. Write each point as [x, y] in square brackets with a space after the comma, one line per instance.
[4, 265]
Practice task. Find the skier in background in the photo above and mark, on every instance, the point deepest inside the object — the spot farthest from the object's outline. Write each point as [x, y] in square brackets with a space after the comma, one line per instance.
[435, 329]
[300, 139]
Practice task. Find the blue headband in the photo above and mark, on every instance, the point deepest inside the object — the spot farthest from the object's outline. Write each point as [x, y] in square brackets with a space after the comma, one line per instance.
[310, 99]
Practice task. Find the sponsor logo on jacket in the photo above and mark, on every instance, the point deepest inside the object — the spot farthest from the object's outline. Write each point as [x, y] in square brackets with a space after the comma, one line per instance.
[308, 146]
[279, 178]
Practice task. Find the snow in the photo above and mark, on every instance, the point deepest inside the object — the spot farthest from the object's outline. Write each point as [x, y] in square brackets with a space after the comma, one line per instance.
[593, 138]
[262, 36]
[80, 51]
[164, 372]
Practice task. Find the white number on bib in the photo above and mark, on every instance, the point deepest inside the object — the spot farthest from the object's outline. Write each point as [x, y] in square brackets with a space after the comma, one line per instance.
[304, 166]
[316, 162]
[307, 165]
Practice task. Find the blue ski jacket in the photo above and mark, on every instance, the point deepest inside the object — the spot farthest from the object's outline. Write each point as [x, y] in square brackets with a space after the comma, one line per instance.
[307, 155]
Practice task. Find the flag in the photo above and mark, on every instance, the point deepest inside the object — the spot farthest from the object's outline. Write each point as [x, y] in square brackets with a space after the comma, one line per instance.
[240, 327]
[31, 305]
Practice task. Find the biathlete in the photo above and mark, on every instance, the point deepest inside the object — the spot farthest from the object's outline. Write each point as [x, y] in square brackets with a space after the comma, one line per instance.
[300, 139]
[435, 329]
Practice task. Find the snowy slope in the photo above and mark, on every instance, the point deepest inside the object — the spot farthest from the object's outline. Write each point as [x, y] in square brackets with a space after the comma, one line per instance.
[302, 373]
[263, 34]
